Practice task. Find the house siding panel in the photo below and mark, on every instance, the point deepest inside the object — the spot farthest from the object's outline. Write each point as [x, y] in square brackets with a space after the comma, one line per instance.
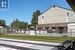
[56, 15]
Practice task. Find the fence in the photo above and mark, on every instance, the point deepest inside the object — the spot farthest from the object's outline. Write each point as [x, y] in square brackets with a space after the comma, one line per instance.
[71, 32]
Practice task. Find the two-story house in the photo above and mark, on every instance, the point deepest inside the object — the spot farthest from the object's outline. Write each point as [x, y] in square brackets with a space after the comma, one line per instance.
[57, 19]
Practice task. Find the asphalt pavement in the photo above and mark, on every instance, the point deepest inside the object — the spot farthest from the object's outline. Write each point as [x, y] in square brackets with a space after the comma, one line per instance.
[28, 45]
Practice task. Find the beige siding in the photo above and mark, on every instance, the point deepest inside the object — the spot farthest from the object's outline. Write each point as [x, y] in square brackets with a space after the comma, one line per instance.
[56, 15]
[71, 18]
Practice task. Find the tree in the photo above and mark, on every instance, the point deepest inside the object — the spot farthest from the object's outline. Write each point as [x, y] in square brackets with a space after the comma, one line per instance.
[35, 18]
[16, 24]
[23, 25]
[72, 4]
[2, 23]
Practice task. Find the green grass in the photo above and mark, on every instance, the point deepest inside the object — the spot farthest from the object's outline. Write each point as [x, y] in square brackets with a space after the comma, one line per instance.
[38, 38]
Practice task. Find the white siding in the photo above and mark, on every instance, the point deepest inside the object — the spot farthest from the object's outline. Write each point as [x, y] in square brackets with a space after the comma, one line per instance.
[56, 15]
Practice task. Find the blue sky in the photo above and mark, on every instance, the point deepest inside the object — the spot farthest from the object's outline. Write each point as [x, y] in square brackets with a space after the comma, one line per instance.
[23, 9]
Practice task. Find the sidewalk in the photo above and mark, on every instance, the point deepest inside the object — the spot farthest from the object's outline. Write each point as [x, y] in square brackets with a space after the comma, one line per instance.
[30, 44]
[6, 48]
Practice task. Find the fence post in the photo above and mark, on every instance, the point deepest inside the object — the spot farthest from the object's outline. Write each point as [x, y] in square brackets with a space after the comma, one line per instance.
[5, 31]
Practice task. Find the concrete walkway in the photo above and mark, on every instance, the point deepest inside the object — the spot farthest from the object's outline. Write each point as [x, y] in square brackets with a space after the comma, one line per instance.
[6, 48]
[33, 45]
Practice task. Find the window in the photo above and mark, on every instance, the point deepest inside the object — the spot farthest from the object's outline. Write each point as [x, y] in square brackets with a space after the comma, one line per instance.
[42, 17]
[69, 14]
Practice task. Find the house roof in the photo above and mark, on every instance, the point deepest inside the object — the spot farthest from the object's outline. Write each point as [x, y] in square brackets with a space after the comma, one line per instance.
[58, 7]
[1, 27]
[62, 7]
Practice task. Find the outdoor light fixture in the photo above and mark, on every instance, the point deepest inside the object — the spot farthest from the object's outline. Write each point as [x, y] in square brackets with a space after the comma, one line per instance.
[72, 4]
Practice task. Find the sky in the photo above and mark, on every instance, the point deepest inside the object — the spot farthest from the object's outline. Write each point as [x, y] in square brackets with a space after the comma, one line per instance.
[23, 9]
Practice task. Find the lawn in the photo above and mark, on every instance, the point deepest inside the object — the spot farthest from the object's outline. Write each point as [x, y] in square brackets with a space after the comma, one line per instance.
[38, 38]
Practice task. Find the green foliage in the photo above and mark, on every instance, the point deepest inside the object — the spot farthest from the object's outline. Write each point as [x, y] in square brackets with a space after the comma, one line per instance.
[2, 22]
[18, 24]
[35, 17]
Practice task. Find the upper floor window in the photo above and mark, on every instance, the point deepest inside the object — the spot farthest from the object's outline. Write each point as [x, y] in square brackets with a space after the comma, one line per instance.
[69, 14]
[42, 17]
